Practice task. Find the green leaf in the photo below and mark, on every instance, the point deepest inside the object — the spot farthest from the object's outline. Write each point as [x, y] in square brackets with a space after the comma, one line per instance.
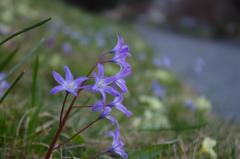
[34, 80]
[11, 87]
[151, 152]
[25, 30]
[25, 58]
[8, 58]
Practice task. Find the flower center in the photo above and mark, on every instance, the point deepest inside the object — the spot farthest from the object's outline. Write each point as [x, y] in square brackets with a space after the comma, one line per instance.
[100, 84]
[71, 85]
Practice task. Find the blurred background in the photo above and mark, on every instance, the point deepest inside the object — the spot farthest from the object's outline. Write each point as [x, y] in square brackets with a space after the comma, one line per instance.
[199, 39]
[186, 72]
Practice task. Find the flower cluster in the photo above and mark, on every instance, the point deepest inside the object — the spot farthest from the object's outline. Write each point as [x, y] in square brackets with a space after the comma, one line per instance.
[3, 84]
[116, 87]
[111, 90]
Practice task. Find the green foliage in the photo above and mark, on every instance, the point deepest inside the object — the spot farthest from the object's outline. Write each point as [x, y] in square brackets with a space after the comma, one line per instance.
[34, 81]
[8, 59]
[24, 30]
[29, 117]
[11, 87]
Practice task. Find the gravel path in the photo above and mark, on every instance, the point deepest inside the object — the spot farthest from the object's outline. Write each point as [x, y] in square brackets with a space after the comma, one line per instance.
[211, 67]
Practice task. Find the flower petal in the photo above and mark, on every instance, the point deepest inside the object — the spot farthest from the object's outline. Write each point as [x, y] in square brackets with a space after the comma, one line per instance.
[123, 109]
[98, 106]
[79, 80]
[68, 74]
[110, 80]
[100, 70]
[103, 96]
[121, 84]
[73, 92]
[56, 89]
[112, 91]
[120, 42]
[58, 78]
[122, 153]
[117, 99]
[112, 120]
[105, 112]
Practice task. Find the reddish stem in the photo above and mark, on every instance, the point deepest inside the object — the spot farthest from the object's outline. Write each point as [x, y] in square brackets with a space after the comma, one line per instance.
[52, 145]
[83, 106]
[79, 132]
[64, 102]
[56, 136]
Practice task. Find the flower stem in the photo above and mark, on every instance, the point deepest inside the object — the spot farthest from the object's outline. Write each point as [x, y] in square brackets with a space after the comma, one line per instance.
[98, 154]
[99, 59]
[65, 117]
[64, 102]
[79, 132]
[83, 106]
[52, 145]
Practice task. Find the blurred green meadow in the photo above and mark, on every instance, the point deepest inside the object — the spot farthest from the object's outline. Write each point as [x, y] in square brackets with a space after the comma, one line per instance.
[169, 119]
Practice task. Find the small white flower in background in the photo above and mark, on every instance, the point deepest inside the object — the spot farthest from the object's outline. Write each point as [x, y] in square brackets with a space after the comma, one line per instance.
[207, 147]
[203, 104]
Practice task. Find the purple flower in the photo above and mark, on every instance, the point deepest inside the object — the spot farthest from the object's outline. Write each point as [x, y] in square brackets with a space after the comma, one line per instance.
[122, 85]
[3, 83]
[158, 90]
[117, 103]
[165, 61]
[102, 83]
[121, 52]
[190, 105]
[68, 84]
[117, 144]
[66, 48]
[104, 111]
[50, 42]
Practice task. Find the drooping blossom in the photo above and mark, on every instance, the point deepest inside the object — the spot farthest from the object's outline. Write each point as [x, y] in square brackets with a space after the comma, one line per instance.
[68, 84]
[105, 112]
[117, 103]
[122, 85]
[121, 52]
[3, 84]
[117, 144]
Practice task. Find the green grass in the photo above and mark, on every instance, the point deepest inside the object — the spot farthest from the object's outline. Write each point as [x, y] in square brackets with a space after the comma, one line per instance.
[159, 128]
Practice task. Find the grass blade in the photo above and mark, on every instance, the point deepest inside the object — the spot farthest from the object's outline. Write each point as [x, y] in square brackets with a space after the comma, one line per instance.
[25, 58]
[34, 80]
[8, 58]
[150, 152]
[11, 87]
[25, 30]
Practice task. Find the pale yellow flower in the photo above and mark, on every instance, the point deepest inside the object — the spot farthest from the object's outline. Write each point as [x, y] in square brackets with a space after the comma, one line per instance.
[207, 147]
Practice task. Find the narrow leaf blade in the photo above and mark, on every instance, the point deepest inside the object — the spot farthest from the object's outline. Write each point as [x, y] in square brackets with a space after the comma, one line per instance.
[25, 30]
[26, 58]
[8, 58]
[34, 80]
[11, 87]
